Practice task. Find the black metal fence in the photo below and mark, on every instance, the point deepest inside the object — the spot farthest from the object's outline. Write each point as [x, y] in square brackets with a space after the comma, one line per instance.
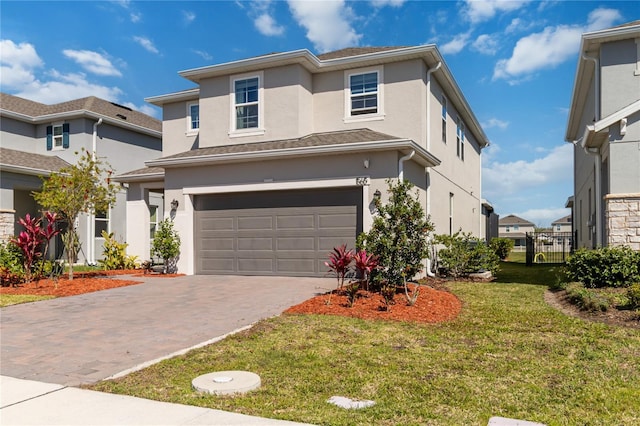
[549, 247]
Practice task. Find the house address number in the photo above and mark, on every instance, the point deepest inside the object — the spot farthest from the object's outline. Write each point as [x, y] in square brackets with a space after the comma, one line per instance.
[362, 181]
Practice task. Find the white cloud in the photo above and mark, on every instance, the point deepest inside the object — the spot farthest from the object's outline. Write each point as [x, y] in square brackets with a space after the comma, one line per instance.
[146, 43]
[92, 62]
[494, 122]
[456, 45]
[502, 179]
[17, 63]
[65, 87]
[145, 109]
[188, 16]
[204, 55]
[327, 23]
[551, 47]
[135, 17]
[485, 44]
[383, 3]
[479, 11]
[266, 25]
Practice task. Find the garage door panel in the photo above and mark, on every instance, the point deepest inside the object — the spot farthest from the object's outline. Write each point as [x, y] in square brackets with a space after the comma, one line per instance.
[287, 221]
[252, 243]
[296, 243]
[284, 233]
[255, 223]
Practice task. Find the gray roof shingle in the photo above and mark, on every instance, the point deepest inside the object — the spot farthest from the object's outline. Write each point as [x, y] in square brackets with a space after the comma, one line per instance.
[21, 159]
[355, 51]
[514, 220]
[93, 104]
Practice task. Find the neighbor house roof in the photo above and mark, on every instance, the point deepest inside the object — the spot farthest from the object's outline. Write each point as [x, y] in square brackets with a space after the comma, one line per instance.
[566, 219]
[357, 140]
[143, 174]
[514, 220]
[590, 45]
[92, 107]
[354, 57]
[22, 162]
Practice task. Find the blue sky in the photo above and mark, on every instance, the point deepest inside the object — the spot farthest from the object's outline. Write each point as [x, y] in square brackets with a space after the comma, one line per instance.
[514, 60]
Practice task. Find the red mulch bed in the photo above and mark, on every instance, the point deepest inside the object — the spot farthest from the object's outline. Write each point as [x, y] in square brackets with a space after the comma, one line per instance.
[83, 282]
[433, 306]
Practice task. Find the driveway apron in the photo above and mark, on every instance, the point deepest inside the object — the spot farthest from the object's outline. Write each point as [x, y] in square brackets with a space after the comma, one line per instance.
[86, 338]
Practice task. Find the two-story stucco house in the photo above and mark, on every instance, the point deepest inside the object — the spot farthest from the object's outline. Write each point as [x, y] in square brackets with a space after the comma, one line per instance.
[604, 127]
[38, 139]
[272, 161]
[515, 228]
[564, 224]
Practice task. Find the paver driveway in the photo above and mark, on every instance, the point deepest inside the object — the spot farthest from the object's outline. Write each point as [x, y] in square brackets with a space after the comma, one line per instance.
[86, 338]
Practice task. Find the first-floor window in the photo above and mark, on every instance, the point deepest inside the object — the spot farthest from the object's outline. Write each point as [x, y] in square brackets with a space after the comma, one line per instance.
[153, 221]
[450, 213]
[101, 223]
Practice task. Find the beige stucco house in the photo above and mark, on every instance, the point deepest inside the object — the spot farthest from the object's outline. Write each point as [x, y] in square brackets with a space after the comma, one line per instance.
[37, 139]
[272, 161]
[564, 224]
[604, 127]
[516, 229]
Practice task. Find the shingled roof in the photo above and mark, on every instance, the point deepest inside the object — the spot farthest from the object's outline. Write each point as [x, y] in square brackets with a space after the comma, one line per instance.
[514, 220]
[355, 51]
[101, 107]
[26, 162]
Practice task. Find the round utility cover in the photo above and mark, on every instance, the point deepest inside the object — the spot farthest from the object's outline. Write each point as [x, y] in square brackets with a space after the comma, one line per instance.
[226, 382]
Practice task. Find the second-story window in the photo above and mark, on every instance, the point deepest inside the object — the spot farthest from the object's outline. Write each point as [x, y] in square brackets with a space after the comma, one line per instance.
[247, 103]
[364, 93]
[193, 119]
[58, 136]
[444, 119]
[460, 139]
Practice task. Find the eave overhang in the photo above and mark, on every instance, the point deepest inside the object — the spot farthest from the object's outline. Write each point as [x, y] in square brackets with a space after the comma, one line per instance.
[11, 168]
[405, 146]
[594, 135]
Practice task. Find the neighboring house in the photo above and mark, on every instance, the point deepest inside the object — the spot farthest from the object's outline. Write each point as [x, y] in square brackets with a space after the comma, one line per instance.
[272, 161]
[38, 139]
[515, 228]
[604, 127]
[564, 224]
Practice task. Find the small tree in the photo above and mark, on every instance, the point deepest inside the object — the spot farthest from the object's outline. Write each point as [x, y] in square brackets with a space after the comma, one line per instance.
[166, 244]
[398, 235]
[85, 187]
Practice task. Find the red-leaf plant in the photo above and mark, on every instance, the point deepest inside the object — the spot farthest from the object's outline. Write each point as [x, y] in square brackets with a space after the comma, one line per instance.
[339, 263]
[34, 240]
[365, 263]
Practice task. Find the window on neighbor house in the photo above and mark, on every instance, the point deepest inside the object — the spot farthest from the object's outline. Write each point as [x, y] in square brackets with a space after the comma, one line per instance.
[101, 223]
[153, 221]
[247, 103]
[508, 229]
[444, 119]
[193, 111]
[58, 136]
[460, 139]
[557, 227]
[516, 227]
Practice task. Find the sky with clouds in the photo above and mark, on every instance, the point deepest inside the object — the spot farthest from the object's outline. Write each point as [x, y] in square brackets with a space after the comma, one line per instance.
[514, 61]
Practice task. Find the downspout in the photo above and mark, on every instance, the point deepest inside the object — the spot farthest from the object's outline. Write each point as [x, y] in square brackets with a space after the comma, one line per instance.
[429, 72]
[595, 151]
[401, 164]
[91, 223]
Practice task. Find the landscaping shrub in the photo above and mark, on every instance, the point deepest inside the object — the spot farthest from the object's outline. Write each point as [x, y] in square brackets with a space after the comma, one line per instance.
[587, 299]
[115, 254]
[463, 254]
[398, 236]
[501, 247]
[11, 265]
[33, 242]
[604, 267]
[633, 295]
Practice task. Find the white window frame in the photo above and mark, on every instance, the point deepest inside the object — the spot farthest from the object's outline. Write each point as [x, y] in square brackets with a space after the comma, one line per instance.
[460, 130]
[54, 138]
[97, 220]
[253, 131]
[443, 102]
[190, 128]
[379, 115]
[153, 226]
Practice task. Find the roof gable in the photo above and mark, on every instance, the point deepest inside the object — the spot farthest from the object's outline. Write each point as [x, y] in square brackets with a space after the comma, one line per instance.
[514, 220]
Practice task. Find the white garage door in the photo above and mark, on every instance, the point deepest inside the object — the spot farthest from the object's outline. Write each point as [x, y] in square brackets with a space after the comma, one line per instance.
[286, 233]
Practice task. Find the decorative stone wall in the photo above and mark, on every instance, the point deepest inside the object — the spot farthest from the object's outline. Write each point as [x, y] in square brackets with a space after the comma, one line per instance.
[7, 221]
[622, 213]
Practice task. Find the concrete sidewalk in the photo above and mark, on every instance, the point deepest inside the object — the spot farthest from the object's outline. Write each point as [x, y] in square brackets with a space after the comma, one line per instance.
[26, 402]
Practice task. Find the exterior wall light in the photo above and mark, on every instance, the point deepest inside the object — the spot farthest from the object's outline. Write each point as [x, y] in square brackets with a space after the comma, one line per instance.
[174, 204]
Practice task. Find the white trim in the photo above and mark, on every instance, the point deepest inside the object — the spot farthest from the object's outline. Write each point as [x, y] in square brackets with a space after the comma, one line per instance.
[379, 115]
[271, 186]
[636, 72]
[252, 131]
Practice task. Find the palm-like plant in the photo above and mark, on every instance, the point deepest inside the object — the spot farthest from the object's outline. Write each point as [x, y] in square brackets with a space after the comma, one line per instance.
[365, 263]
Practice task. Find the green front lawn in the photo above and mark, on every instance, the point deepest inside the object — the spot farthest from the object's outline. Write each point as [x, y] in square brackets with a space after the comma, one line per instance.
[15, 299]
[508, 354]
